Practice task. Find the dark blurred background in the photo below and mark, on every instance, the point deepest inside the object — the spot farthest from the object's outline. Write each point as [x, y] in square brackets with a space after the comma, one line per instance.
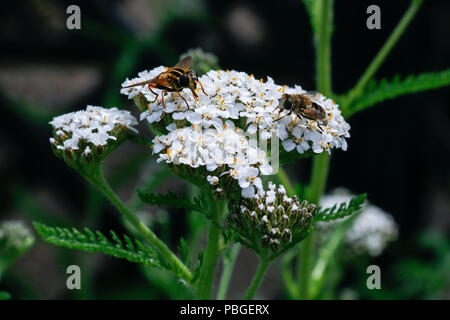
[398, 152]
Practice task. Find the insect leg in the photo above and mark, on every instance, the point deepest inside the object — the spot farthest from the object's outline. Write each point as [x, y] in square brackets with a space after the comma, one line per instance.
[156, 95]
[318, 125]
[202, 87]
[194, 94]
[182, 98]
[162, 98]
[283, 116]
[277, 108]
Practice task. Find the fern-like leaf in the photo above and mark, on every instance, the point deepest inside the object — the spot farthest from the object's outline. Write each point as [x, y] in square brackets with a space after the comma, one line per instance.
[183, 249]
[378, 91]
[125, 248]
[197, 269]
[343, 210]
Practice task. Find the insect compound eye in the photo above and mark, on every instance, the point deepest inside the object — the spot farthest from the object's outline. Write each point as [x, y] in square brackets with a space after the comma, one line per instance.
[184, 80]
[287, 103]
[193, 79]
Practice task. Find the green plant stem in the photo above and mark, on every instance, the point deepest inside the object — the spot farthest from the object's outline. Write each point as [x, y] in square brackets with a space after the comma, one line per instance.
[326, 253]
[320, 168]
[97, 178]
[206, 278]
[321, 161]
[384, 51]
[333, 276]
[319, 176]
[305, 266]
[257, 278]
[284, 180]
[228, 264]
[323, 47]
[286, 273]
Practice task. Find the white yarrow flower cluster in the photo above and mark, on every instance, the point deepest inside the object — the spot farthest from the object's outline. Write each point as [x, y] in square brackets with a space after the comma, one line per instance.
[304, 134]
[94, 126]
[372, 229]
[142, 76]
[213, 129]
[233, 94]
[223, 148]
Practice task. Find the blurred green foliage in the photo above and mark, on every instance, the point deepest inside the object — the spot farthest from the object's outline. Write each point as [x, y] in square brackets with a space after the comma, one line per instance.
[427, 277]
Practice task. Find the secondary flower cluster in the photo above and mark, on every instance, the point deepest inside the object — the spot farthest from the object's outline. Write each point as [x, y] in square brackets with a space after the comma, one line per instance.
[86, 133]
[271, 219]
[371, 231]
[15, 238]
[202, 61]
[205, 131]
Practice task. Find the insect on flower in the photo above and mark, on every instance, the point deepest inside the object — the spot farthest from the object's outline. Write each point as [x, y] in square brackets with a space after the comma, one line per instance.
[174, 79]
[303, 105]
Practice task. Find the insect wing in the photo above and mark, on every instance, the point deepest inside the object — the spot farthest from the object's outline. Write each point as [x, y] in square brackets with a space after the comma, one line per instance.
[314, 111]
[163, 81]
[312, 95]
[140, 83]
[184, 63]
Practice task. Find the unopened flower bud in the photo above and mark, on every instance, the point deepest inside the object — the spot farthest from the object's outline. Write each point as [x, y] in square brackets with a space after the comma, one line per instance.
[283, 220]
[275, 231]
[286, 235]
[312, 208]
[274, 244]
[265, 239]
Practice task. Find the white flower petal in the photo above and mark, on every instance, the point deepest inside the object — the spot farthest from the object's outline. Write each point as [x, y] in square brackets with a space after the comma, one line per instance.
[248, 192]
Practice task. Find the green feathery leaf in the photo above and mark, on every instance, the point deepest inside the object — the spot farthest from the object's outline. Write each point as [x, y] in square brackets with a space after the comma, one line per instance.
[125, 248]
[343, 210]
[183, 249]
[196, 272]
[378, 91]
